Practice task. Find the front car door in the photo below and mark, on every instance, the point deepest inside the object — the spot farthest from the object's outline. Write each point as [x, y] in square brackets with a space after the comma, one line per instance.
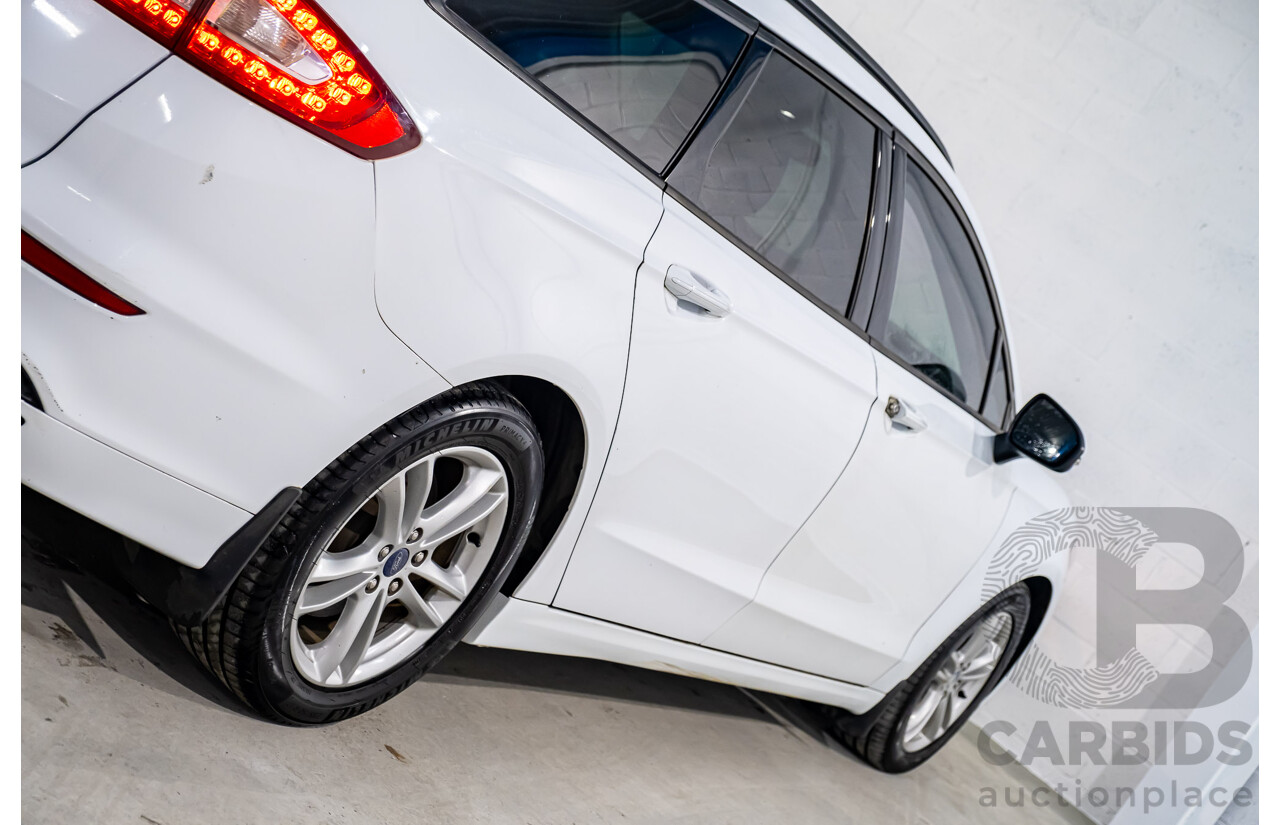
[922, 498]
[747, 387]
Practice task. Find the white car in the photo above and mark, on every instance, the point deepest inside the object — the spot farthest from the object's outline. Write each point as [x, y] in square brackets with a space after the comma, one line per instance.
[655, 331]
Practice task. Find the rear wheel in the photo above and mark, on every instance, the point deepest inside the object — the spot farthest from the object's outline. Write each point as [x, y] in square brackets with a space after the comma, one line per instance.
[382, 565]
[944, 691]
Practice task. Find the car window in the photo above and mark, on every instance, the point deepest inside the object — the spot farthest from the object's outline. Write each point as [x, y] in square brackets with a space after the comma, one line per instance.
[997, 403]
[940, 317]
[643, 71]
[786, 166]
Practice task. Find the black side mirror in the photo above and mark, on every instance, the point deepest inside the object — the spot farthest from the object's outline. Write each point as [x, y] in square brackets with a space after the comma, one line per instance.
[1042, 431]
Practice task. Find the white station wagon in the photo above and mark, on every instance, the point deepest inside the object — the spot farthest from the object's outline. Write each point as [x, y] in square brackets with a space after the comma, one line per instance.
[654, 331]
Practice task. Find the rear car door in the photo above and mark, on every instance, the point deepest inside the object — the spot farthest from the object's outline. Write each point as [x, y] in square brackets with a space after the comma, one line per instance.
[922, 499]
[747, 388]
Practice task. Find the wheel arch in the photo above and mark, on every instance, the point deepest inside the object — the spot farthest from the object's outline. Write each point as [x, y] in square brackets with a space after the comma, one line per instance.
[563, 430]
[1041, 599]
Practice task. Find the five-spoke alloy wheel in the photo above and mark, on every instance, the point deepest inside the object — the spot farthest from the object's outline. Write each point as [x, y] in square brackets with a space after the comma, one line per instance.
[383, 564]
[929, 707]
[962, 676]
[400, 567]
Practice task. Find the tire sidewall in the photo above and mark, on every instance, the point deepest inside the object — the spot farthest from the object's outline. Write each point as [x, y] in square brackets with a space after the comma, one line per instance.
[1017, 602]
[496, 429]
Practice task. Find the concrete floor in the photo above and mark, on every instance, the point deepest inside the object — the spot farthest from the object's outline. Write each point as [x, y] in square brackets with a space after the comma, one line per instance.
[120, 725]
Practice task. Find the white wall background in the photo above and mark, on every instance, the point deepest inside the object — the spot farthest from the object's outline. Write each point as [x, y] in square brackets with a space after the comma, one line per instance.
[1111, 150]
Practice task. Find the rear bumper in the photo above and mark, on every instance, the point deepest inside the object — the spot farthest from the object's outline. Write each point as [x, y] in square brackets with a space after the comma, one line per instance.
[152, 508]
[149, 506]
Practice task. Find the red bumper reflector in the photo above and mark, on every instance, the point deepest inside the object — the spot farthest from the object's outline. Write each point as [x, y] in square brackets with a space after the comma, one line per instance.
[50, 263]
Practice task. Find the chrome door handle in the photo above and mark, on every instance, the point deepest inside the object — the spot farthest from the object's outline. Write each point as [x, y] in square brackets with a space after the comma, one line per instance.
[697, 290]
[904, 415]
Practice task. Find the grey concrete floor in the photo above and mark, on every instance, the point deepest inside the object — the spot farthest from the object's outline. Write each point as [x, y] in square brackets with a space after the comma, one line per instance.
[120, 725]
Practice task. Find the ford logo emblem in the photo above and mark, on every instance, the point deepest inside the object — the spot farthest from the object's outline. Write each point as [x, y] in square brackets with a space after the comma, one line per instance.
[396, 562]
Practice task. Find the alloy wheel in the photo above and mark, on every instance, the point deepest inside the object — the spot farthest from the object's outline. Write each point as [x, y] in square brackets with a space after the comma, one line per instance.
[399, 567]
[957, 682]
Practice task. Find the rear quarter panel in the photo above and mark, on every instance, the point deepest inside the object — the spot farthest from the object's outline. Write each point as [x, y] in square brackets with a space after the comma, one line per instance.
[249, 243]
[75, 55]
[508, 242]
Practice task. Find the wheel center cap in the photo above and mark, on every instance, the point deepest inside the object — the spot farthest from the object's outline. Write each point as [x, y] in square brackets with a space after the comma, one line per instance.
[396, 562]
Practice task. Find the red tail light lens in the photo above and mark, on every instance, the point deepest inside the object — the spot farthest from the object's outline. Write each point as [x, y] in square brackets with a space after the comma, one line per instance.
[161, 19]
[289, 56]
[52, 264]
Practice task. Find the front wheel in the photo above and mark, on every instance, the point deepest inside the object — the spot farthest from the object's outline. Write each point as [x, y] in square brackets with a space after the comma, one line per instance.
[383, 563]
[945, 690]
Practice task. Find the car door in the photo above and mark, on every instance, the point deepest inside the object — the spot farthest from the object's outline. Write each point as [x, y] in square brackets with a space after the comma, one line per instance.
[922, 498]
[747, 388]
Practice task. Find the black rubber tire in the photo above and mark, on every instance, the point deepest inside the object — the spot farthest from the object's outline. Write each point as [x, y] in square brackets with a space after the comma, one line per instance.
[881, 744]
[244, 642]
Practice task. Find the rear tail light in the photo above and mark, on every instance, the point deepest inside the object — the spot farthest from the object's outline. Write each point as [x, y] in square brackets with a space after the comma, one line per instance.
[289, 56]
[162, 19]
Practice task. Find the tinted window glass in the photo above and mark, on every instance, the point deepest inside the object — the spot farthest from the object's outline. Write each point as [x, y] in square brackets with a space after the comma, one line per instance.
[940, 317]
[998, 396]
[786, 166]
[641, 70]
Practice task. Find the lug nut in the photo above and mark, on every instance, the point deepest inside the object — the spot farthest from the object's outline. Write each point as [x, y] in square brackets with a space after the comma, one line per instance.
[416, 534]
[419, 557]
[372, 585]
[384, 552]
[393, 587]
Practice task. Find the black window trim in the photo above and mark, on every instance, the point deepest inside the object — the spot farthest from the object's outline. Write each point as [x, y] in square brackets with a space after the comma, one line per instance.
[715, 225]
[836, 32]
[725, 86]
[873, 237]
[903, 149]
[730, 13]
[833, 84]
[998, 349]
[883, 184]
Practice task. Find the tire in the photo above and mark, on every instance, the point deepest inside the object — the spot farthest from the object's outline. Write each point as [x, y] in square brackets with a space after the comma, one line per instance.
[883, 745]
[252, 641]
